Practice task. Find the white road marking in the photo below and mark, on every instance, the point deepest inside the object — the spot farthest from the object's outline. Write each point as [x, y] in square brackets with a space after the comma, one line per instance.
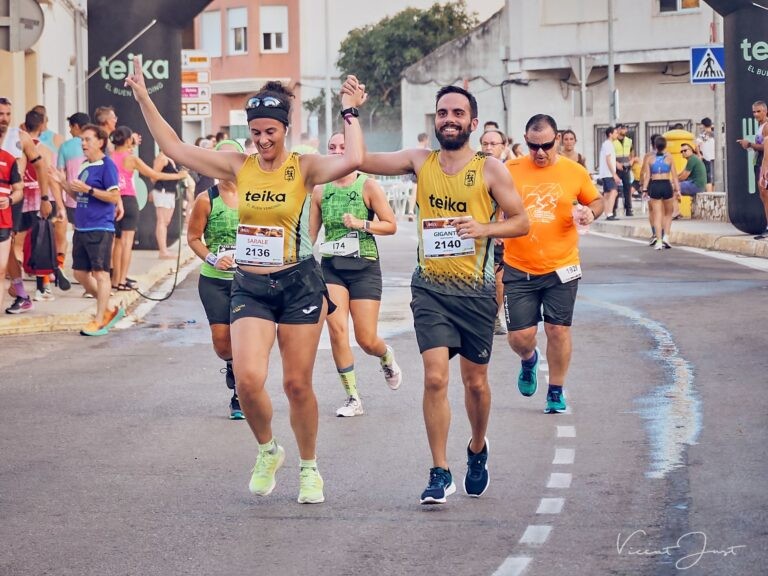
[566, 431]
[559, 480]
[564, 456]
[550, 506]
[513, 566]
[535, 534]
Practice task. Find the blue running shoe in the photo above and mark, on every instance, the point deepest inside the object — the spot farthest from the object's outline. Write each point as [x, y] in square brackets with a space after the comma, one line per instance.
[555, 402]
[527, 379]
[476, 481]
[440, 486]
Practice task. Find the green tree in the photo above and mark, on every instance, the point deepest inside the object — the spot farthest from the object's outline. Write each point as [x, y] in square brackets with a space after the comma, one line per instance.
[379, 53]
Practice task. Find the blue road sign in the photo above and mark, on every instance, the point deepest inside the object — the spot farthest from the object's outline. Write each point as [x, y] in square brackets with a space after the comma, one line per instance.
[708, 64]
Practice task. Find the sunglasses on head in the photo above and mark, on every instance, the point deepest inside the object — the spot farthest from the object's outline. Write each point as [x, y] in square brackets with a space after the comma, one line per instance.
[536, 147]
[266, 101]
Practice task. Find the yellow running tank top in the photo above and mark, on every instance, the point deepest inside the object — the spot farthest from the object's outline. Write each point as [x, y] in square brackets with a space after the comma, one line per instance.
[443, 196]
[277, 198]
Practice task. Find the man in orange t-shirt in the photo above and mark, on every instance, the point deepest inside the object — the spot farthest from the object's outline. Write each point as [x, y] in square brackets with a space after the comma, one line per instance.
[541, 269]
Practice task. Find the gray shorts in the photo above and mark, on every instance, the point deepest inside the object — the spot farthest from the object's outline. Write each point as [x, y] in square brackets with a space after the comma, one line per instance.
[529, 298]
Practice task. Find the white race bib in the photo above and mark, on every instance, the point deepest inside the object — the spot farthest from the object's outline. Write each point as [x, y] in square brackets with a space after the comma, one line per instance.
[441, 240]
[569, 273]
[349, 245]
[259, 245]
[226, 250]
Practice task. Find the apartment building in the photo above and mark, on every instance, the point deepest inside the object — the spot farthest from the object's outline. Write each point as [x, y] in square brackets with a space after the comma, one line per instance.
[526, 59]
[249, 42]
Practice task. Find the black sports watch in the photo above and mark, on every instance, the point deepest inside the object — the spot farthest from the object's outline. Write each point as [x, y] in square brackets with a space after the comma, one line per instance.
[350, 112]
[90, 192]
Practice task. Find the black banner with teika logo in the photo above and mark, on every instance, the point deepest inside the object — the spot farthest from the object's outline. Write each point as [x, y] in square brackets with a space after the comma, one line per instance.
[112, 25]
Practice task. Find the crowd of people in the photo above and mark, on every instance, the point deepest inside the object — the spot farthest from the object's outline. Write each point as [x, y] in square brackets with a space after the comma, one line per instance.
[497, 250]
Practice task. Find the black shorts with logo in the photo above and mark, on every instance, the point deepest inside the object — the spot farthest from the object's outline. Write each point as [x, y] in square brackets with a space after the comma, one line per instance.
[463, 324]
[92, 250]
[291, 296]
[215, 295]
[130, 220]
[527, 295]
[360, 276]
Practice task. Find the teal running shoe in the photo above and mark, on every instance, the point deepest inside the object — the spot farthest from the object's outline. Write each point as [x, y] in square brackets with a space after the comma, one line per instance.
[527, 379]
[555, 402]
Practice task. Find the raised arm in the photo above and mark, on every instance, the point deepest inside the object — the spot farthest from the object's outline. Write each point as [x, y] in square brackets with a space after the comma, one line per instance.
[221, 165]
[407, 161]
[319, 169]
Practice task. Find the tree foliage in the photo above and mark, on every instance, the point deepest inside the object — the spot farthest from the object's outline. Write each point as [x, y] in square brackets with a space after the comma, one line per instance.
[379, 53]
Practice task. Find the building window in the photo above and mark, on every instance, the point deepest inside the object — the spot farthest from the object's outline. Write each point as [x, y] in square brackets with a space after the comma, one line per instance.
[678, 5]
[274, 28]
[237, 21]
[210, 33]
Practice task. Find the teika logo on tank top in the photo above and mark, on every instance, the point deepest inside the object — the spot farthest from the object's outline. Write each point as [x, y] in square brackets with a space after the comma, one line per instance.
[265, 197]
[447, 203]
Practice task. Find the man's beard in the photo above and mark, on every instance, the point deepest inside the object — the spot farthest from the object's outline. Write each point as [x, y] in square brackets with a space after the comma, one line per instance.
[453, 142]
[3, 129]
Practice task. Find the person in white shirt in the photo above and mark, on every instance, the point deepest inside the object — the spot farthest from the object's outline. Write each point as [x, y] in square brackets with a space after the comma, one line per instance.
[607, 172]
[706, 145]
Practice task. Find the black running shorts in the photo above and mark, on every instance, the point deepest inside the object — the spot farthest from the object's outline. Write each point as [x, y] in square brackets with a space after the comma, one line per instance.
[92, 251]
[130, 220]
[526, 296]
[215, 295]
[360, 276]
[660, 190]
[463, 324]
[291, 296]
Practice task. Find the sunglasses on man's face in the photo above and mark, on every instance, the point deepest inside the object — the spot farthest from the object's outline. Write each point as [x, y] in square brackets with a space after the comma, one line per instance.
[536, 147]
[266, 101]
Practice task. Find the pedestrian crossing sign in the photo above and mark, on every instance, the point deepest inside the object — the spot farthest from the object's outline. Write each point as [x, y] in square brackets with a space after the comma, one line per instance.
[708, 64]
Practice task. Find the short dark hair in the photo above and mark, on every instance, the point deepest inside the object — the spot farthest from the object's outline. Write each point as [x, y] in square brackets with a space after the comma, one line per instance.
[422, 137]
[491, 123]
[538, 122]
[609, 131]
[660, 143]
[79, 119]
[33, 120]
[458, 90]
[706, 121]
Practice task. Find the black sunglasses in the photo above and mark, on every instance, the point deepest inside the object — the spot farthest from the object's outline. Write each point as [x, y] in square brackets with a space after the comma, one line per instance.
[266, 101]
[536, 147]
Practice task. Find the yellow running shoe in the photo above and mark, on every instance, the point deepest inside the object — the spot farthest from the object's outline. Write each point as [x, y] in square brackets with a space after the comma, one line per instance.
[310, 486]
[267, 464]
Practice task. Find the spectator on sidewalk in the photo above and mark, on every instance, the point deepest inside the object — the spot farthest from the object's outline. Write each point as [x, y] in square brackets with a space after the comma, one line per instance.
[607, 174]
[69, 159]
[706, 146]
[693, 178]
[624, 153]
[568, 139]
[760, 113]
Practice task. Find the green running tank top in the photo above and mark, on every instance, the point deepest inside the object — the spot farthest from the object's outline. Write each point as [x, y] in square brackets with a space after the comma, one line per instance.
[337, 201]
[220, 230]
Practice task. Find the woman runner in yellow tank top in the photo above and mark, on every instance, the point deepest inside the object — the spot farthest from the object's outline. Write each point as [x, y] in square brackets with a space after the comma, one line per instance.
[277, 291]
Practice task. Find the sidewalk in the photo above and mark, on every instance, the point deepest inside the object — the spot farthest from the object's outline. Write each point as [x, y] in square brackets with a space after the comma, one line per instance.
[705, 234]
[71, 311]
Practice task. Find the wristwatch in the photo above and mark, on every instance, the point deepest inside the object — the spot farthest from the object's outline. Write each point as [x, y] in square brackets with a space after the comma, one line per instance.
[90, 192]
[44, 198]
[350, 112]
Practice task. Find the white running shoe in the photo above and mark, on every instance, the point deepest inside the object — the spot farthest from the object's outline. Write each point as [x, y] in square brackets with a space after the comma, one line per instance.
[392, 373]
[43, 296]
[352, 407]
[658, 245]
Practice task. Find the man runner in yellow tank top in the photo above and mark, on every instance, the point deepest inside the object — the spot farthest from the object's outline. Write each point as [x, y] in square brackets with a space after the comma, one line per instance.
[453, 286]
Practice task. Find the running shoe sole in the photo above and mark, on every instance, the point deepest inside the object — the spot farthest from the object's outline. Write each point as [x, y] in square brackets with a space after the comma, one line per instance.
[450, 489]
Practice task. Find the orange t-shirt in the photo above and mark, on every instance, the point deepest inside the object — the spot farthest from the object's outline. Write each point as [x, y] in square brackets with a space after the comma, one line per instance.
[548, 195]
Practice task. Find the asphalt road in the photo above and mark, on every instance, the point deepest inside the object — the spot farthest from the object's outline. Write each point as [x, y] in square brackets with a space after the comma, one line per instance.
[118, 457]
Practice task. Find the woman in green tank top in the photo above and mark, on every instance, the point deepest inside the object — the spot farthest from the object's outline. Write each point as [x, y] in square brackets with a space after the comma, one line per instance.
[351, 270]
[211, 235]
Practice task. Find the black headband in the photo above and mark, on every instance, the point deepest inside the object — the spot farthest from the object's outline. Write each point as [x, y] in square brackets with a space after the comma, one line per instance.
[274, 112]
